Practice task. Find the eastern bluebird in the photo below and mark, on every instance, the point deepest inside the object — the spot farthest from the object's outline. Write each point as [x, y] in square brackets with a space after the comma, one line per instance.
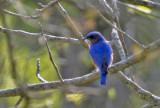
[101, 53]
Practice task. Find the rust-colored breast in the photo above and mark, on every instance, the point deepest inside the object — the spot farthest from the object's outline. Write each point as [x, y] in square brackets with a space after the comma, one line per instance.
[92, 42]
[94, 63]
[111, 60]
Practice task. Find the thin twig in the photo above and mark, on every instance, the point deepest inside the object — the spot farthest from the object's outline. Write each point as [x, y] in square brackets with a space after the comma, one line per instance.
[45, 7]
[20, 15]
[49, 37]
[18, 102]
[143, 94]
[108, 9]
[72, 25]
[38, 70]
[50, 55]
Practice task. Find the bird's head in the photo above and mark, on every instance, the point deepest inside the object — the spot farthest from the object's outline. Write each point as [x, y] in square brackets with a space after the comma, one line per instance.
[94, 37]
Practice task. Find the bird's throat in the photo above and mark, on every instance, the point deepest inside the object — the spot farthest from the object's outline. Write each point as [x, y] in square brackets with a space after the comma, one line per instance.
[92, 42]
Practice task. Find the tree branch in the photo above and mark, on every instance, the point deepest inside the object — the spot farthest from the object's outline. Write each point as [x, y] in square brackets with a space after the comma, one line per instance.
[50, 55]
[49, 37]
[143, 94]
[37, 35]
[20, 15]
[89, 77]
[44, 7]
[18, 102]
[73, 25]
[119, 43]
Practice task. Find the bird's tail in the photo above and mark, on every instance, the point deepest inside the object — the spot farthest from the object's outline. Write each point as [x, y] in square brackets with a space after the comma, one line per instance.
[103, 77]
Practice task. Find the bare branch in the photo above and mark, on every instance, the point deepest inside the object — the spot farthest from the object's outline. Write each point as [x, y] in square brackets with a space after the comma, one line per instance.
[20, 15]
[37, 35]
[18, 102]
[89, 77]
[117, 24]
[37, 73]
[51, 3]
[119, 42]
[122, 54]
[73, 25]
[143, 94]
[108, 9]
[137, 57]
[49, 37]
[113, 15]
[50, 55]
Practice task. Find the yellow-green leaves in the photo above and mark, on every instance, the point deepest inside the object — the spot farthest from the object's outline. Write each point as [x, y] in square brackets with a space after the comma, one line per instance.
[75, 97]
[112, 93]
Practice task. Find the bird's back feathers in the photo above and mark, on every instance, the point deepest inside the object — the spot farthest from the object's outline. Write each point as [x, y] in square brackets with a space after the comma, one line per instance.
[101, 53]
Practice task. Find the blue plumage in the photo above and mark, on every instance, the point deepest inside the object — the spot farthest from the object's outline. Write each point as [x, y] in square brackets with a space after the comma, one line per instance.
[101, 53]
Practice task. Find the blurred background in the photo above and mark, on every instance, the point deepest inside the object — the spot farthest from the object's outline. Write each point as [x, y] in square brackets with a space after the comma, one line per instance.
[74, 60]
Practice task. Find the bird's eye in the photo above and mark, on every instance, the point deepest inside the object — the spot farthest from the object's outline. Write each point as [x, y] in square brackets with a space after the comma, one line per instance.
[91, 37]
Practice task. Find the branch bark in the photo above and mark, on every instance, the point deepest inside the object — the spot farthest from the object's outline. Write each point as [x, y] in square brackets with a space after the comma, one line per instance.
[49, 37]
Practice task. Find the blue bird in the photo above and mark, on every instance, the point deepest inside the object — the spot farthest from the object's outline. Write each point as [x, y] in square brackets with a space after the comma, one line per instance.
[101, 53]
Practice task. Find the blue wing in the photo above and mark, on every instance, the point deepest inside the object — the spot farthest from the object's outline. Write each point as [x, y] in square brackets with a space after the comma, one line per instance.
[101, 53]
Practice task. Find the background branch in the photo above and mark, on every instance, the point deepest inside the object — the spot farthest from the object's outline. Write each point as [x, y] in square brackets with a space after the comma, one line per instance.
[49, 37]
[19, 15]
[18, 102]
[50, 55]
[45, 7]
[73, 25]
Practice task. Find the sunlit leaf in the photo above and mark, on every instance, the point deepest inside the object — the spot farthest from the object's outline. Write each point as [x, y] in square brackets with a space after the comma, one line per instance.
[112, 93]
[75, 97]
